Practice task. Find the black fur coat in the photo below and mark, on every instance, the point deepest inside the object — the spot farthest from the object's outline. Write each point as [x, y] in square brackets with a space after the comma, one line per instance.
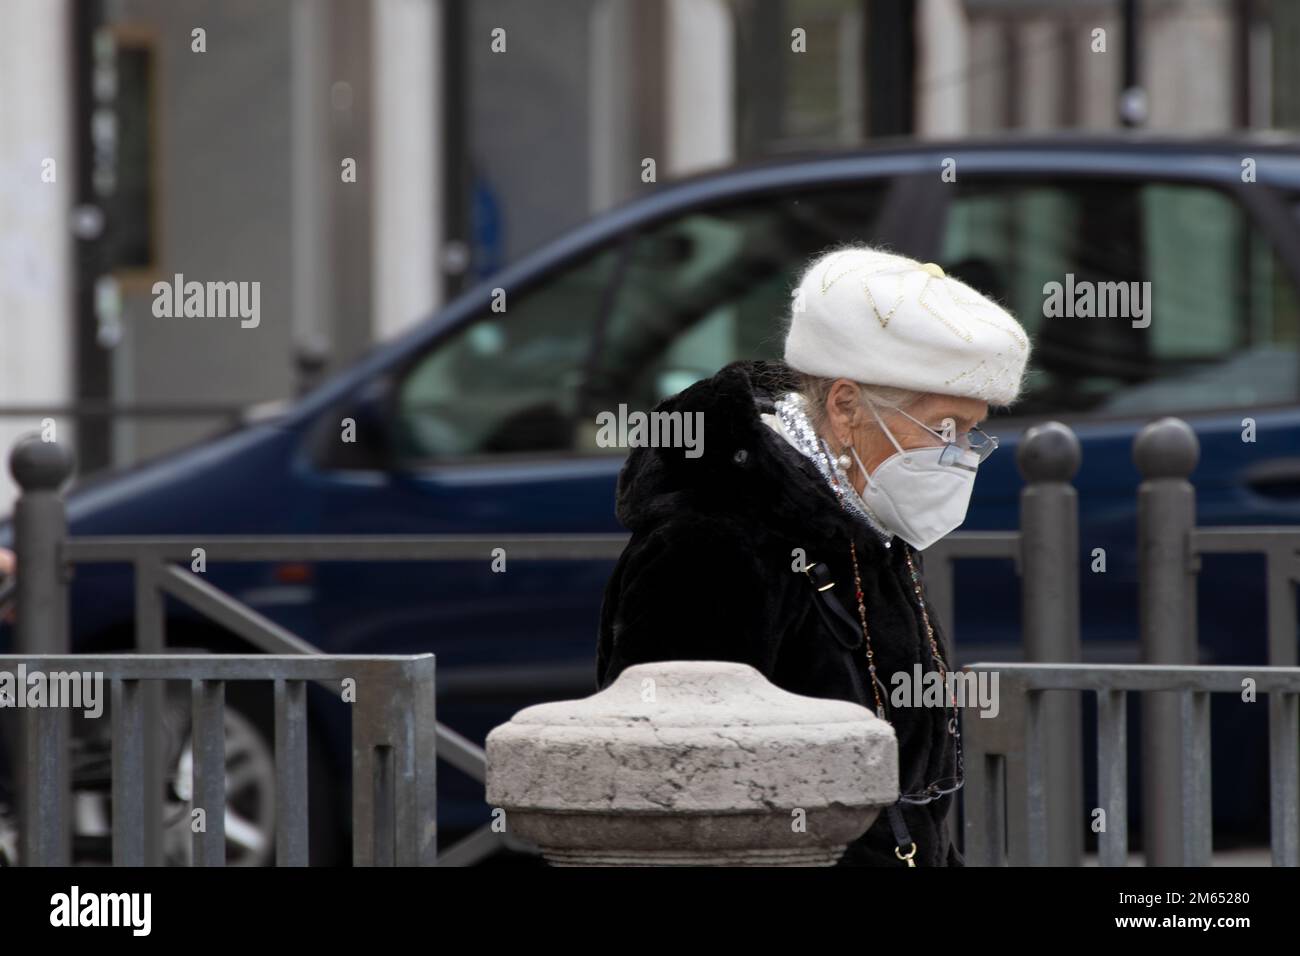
[708, 575]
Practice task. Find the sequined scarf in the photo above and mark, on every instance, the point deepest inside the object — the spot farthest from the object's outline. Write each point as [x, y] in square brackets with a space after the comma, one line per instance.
[793, 423]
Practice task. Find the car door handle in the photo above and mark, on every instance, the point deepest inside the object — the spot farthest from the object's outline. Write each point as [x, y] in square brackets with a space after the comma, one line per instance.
[1278, 478]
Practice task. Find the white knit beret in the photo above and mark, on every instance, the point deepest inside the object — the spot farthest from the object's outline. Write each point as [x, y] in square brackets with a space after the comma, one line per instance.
[884, 319]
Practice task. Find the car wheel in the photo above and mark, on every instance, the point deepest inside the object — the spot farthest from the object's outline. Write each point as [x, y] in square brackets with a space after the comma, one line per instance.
[250, 795]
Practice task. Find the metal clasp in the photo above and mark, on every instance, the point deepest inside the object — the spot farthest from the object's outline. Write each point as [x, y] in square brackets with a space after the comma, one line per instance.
[808, 571]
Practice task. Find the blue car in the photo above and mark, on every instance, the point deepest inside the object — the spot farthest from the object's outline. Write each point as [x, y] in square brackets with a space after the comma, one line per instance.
[482, 420]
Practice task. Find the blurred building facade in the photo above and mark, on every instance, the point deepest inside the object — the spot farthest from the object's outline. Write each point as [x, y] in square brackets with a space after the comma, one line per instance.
[363, 160]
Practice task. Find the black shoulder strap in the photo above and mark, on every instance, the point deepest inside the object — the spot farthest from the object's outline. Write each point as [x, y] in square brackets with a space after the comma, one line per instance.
[906, 849]
[832, 611]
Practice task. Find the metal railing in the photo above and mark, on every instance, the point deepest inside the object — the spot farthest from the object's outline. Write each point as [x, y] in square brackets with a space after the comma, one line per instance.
[47, 556]
[1005, 793]
[94, 409]
[1045, 550]
[1169, 549]
[1280, 547]
[394, 819]
[157, 575]
[1048, 457]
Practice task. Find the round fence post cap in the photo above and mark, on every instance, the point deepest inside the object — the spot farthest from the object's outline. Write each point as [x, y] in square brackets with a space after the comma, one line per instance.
[1167, 448]
[39, 465]
[1049, 452]
[692, 763]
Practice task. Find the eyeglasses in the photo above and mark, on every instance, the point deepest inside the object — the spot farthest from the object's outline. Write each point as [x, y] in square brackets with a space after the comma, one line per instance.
[934, 791]
[938, 788]
[977, 441]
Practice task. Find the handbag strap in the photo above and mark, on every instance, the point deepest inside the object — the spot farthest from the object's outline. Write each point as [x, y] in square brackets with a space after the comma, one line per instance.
[901, 836]
[832, 610]
[820, 576]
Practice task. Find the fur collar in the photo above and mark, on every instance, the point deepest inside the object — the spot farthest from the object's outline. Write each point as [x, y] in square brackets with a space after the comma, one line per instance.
[746, 469]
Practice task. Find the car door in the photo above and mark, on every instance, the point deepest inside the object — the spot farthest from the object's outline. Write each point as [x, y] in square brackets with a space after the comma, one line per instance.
[1214, 342]
[480, 436]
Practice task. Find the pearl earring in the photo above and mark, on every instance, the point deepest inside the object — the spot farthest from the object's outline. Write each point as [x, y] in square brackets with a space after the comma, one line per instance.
[844, 461]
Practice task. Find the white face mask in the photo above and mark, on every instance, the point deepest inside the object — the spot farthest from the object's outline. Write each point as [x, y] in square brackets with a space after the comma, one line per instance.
[920, 494]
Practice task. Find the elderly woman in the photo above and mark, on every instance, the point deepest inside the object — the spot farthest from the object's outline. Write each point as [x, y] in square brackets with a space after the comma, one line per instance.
[792, 543]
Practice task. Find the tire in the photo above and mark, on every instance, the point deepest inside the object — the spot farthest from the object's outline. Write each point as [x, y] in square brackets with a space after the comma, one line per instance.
[250, 708]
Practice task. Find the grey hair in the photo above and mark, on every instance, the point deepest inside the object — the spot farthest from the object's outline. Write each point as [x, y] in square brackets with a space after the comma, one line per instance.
[816, 388]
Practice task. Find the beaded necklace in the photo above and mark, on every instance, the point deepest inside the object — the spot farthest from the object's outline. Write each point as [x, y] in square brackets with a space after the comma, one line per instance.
[934, 790]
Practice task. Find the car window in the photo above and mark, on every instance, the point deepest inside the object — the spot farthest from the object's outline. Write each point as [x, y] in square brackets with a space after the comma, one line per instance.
[692, 294]
[508, 381]
[1216, 327]
[714, 286]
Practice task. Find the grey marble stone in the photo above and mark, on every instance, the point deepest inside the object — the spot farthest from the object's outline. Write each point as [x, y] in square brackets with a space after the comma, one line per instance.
[692, 763]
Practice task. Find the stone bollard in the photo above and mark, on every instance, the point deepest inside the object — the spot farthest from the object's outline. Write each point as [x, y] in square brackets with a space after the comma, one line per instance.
[692, 763]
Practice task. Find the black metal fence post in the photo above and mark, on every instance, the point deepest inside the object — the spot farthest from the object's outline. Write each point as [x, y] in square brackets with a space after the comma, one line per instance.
[1048, 458]
[1166, 452]
[41, 628]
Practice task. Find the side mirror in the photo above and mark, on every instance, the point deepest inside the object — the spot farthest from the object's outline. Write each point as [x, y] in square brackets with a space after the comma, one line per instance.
[364, 433]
